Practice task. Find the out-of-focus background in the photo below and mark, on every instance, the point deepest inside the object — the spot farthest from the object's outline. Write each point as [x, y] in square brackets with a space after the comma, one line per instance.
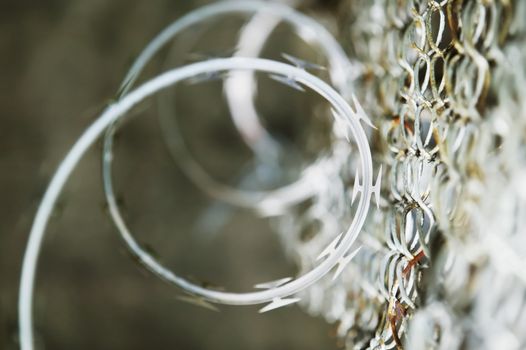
[60, 63]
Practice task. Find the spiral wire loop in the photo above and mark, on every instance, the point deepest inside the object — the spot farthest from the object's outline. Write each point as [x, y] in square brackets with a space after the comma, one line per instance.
[275, 293]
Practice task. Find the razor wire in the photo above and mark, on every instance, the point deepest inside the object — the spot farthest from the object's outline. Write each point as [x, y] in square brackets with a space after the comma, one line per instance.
[276, 292]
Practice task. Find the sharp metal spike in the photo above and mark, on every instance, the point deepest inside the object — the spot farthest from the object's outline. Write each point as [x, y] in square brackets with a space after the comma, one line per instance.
[273, 284]
[336, 114]
[197, 301]
[298, 62]
[330, 248]
[377, 187]
[341, 128]
[212, 76]
[375, 190]
[357, 188]
[361, 113]
[277, 303]
[343, 262]
[287, 81]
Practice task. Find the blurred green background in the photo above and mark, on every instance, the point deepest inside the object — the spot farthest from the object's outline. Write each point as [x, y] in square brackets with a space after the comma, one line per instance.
[61, 61]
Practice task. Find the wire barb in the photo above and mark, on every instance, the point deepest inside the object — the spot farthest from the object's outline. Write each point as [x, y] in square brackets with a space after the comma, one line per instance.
[278, 303]
[273, 284]
[375, 191]
[298, 62]
[331, 248]
[197, 301]
[343, 262]
[289, 81]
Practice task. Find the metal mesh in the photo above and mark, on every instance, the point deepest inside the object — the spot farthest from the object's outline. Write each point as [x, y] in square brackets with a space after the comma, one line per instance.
[440, 265]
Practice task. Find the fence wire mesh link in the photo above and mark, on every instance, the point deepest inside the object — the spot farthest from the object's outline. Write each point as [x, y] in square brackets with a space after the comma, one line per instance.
[441, 263]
